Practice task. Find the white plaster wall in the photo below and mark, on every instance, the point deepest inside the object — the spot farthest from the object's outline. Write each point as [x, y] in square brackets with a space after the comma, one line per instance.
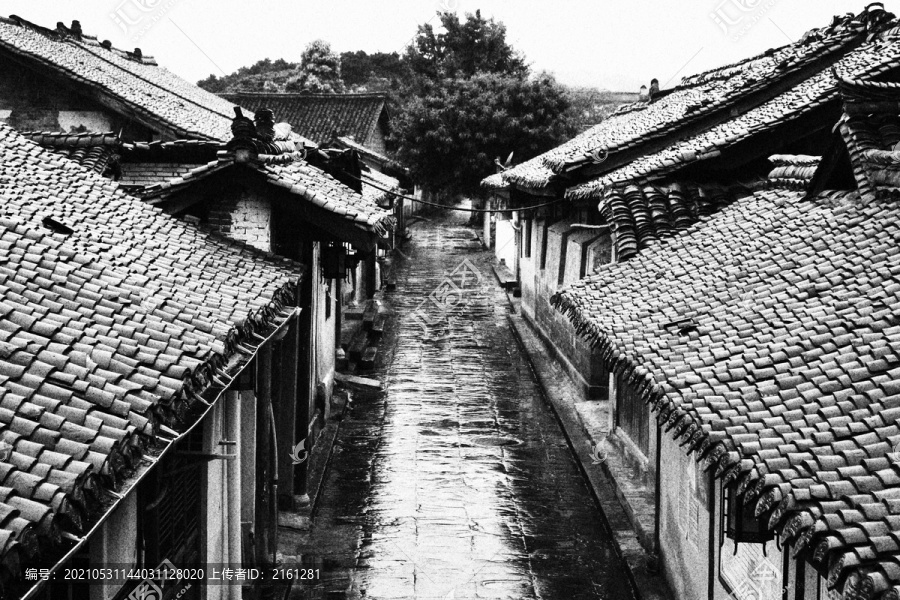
[527, 267]
[751, 573]
[325, 333]
[684, 524]
[216, 505]
[505, 247]
[89, 119]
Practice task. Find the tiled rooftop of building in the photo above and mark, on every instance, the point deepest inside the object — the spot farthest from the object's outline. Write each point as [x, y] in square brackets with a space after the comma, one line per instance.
[114, 318]
[872, 59]
[377, 187]
[292, 173]
[699, 99]
[154, 93]
[320, 117]
[156, 170]
[767, 340]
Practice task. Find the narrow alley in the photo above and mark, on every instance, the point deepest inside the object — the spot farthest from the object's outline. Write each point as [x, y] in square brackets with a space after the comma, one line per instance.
[456, 481]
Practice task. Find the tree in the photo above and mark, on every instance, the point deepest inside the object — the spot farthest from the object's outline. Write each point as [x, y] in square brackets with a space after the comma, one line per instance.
[469, 100]
[450, 136]
[463, 49]
[376, 72]
[262, 75]
[320, 70]
[590, 106]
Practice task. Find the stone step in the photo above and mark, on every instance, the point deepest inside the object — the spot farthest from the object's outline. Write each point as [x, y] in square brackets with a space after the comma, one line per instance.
[353, 313]
[364, 382]
[358, 345]
[505, 276]
[378, 325]
[370, 313]
[368, 359]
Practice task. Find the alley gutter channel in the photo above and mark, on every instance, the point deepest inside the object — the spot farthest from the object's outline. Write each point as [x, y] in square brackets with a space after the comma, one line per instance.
[647, 585]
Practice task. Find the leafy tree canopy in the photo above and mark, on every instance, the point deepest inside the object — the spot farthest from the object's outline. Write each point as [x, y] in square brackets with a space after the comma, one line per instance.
[320, 70]
[376, 72]
[463, 49]
[469, 100]
[257, 77]
[450, 136]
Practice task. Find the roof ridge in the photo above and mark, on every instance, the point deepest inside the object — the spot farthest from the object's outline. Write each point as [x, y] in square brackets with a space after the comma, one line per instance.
[837, 26]
[167, 99]
[306, 95]
[144, 59]
[155, 85]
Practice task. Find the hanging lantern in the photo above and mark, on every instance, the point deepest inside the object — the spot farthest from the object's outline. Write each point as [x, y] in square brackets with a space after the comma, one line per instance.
[742, 525]
[334, 261]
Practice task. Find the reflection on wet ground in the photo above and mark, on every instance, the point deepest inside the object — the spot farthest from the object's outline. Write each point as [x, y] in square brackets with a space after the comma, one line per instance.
[456, 481]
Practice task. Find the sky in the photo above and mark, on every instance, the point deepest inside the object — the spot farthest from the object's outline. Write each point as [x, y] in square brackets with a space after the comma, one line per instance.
[608, 44]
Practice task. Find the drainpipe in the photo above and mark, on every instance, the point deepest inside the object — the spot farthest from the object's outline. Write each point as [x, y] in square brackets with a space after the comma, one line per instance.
[486, 226]
[711, 549]
[273, 489]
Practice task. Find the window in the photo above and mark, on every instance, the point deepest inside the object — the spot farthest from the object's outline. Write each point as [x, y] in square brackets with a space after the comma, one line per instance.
[171, 503]
[599, 253]
[526, 235]
[544, 230]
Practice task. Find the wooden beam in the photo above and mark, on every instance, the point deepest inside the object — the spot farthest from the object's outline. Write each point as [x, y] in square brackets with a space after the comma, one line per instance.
[306, 340]
[264, 475]
[286, 417]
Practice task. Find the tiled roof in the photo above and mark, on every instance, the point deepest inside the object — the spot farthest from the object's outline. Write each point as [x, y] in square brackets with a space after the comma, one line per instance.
[324, 191]
[320, 117]
[766, 338]
[158, 172]
[871, 59]
[793, 171]
[377, 187]
[640, 218]
[88, 149]
[871, 130]
[113, 319]
[703, 98]
[494, 182]
[291, 172]
[154, 93]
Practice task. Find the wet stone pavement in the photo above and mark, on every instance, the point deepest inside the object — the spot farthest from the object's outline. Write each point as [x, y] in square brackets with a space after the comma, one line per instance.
[456, 481]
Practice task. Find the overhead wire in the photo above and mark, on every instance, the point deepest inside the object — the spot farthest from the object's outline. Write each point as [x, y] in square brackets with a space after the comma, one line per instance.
[463, 209]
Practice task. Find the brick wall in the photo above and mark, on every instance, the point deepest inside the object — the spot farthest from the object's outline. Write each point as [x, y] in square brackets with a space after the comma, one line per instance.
[150, 173]
[246, 217]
